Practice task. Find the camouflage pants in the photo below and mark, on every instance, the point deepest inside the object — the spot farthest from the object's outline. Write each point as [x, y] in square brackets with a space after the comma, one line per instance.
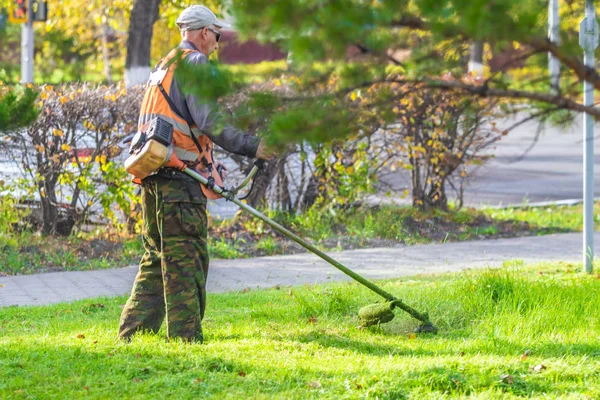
[171, 281]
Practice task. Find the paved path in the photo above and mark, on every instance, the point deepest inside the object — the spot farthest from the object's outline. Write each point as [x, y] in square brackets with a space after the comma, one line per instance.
[263, 272]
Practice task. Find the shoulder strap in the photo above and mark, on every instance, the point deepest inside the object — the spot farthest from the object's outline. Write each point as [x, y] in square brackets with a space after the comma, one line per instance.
[176, 111]
[158, 82]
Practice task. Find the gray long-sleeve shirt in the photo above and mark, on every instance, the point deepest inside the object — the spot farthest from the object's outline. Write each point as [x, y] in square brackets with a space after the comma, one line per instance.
[204, 115]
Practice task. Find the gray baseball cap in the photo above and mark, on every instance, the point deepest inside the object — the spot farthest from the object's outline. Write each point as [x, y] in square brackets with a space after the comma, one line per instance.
[197, 17]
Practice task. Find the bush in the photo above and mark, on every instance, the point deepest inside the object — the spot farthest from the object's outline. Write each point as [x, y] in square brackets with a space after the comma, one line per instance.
[69, 153]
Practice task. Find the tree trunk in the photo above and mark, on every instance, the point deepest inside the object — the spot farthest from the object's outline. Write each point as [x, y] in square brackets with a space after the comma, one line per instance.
[141, 23]
[476, 59]
[258, 196]
[106, 55]
[48, 205]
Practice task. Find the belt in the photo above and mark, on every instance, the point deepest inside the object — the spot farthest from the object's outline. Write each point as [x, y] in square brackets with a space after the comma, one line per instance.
[172, 173]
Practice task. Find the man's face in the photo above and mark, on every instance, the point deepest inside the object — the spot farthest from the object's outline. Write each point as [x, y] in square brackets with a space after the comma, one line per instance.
[206, 39]
[212, 39]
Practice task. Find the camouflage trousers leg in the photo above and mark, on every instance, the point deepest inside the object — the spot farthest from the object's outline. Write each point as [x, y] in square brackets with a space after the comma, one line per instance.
[171, 281]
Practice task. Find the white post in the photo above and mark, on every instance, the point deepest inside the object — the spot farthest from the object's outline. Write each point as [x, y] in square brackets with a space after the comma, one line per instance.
[553, 35]
[588, 40]
[27, 47]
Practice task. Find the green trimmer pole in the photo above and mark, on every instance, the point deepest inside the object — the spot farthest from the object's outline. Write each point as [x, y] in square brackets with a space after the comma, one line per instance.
[371, 315]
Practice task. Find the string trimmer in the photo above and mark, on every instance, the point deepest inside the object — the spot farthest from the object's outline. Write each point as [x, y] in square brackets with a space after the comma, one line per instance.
[372, 314]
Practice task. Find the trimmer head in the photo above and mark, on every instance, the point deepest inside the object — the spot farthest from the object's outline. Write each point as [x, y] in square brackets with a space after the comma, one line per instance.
[381, 313]
[378, 313]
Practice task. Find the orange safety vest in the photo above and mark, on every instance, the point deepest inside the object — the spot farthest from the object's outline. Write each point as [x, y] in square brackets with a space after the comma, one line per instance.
[155, 104]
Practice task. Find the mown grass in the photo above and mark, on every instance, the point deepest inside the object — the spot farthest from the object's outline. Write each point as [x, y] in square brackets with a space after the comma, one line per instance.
[508, 333]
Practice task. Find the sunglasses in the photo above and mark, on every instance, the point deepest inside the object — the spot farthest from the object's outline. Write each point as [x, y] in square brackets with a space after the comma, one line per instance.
[217, 33]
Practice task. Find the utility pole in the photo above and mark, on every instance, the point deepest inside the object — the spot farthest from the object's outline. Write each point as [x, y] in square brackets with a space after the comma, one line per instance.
[588, 40]
[553, 35]
[27, 43]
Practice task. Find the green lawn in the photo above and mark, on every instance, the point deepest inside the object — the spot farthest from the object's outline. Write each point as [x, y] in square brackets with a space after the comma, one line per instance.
[513, 332]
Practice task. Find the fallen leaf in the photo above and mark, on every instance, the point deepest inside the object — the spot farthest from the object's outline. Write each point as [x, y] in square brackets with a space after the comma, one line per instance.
[242, 373]
[198, 380]
[291, 293]
[95, 341]
[462, 353]
[81, 336]
[137, 355]
[525, 355]
[539, 368]
[312, 320]
[412, 336]
[137, 380]
[506, 378]
[86, 387]
[358, 386]
[314, 384]
[1, 285]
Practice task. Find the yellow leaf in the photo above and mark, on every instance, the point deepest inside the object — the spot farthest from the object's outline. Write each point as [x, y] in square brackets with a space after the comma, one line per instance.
[65, 147]
[113, 97]
[58, 132]
[353, 96]
[405, 192]
[44, 96]
[63, 99]
[40, 148]
[277, 82]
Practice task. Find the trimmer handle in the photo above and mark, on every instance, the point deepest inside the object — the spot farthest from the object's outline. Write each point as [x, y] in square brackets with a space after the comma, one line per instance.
[259, 163]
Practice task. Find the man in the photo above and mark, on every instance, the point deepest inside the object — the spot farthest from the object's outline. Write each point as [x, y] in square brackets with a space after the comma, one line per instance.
[171, 281]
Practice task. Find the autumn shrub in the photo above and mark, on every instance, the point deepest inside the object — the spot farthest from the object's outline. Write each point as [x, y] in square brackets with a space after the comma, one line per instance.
[70, 154]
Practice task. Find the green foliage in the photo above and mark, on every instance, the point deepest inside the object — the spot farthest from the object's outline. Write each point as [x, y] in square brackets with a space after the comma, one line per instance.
[496, 327]
[26, 252]
[344, 175]
[223, 249]
[17, 106]
[11, 212]
[552, 217]
[268, 245]
[197, 76]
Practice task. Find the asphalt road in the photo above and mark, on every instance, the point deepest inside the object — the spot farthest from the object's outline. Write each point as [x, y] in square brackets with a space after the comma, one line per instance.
[552, 170]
